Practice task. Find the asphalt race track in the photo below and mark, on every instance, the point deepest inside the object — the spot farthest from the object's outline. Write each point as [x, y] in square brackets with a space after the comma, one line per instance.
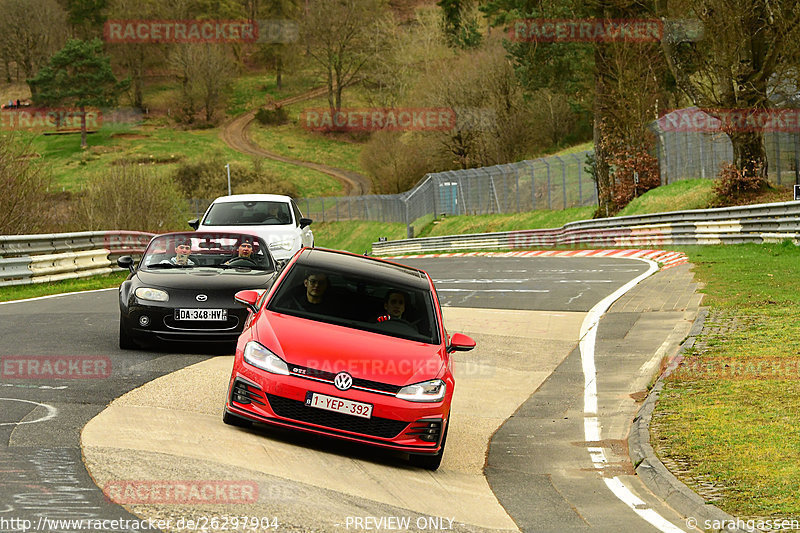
[521, 393]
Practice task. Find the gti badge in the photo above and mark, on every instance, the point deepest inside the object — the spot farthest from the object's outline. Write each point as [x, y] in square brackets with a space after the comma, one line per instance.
[201, 297]
[343, 381]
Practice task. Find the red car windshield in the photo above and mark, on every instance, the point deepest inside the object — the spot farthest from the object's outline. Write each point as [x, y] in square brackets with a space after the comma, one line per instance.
[370, 305]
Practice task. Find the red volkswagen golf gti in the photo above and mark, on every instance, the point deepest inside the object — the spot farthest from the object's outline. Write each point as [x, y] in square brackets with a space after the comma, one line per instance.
[348, 346]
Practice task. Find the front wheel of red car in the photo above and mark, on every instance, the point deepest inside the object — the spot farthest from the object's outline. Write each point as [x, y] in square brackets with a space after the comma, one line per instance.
[430, 462]
[233, 420]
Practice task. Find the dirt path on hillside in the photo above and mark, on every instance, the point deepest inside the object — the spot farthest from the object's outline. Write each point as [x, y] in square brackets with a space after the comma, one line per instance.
[234, 133]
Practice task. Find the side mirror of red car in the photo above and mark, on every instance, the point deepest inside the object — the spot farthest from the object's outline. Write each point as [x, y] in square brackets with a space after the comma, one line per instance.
[460, 343]
[248, 298]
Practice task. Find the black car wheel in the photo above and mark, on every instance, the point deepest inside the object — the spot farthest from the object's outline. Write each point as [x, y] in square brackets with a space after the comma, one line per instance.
[126, 342]
[234, 420]
[430, 462]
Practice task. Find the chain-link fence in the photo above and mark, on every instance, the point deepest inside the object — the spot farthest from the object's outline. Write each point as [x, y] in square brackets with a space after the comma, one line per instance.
[555, 182]
[685, 151]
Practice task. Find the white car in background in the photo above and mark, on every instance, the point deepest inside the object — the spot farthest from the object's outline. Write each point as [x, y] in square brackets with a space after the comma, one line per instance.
[274, 218]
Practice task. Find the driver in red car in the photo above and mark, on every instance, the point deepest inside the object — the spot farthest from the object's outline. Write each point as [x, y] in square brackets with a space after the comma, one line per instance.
[395, 306]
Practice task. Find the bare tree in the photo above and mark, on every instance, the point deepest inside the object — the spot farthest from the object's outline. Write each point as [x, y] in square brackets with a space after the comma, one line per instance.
[747, 45]
[30, 32]
[492, 120]
[342, 37]
[133, 57]
[205, 72]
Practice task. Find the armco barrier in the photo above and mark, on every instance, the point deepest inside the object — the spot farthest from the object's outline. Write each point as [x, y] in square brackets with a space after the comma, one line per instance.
[730, 225]
[26, 259]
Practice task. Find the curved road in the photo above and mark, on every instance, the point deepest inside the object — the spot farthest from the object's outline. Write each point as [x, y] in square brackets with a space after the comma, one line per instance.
[234, 133]
[525, 314]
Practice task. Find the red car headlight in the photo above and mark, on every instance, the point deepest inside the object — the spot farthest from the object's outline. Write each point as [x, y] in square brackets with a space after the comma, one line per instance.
[427, 391]
[259, 356]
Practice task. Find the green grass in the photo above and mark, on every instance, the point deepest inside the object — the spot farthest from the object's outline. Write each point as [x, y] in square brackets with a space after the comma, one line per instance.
[21, 292]
[73, 167]
[291, 140]
[688, 194]
[253, 90]
[462, 224]
[735, 426]
[356, 236]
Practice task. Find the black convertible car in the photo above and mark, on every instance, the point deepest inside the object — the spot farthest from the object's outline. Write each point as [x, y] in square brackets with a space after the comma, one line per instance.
[183, 287]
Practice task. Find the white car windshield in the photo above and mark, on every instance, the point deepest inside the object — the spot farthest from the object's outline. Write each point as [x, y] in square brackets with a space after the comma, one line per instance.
[248, 213]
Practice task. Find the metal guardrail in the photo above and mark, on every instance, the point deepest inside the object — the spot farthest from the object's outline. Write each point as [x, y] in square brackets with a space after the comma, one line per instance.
[26, 259]
[729, 225]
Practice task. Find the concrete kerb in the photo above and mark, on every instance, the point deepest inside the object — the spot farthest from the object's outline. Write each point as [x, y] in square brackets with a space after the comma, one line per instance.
[653, 472]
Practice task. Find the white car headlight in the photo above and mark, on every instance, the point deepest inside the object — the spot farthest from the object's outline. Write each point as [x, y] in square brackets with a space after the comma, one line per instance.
[259, 356]
[285, 244]
[427, 391]
[154, 295]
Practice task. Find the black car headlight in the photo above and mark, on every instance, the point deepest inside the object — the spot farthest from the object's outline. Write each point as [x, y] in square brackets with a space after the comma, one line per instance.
[427, 391]
[153, 295]
[259, 356]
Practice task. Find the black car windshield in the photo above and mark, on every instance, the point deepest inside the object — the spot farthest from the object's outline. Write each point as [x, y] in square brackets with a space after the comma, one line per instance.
[248, 213]
[357, 302]
[197, 250]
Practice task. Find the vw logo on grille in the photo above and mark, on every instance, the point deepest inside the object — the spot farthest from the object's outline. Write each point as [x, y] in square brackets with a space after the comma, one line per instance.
[343, 381]
[201, 297]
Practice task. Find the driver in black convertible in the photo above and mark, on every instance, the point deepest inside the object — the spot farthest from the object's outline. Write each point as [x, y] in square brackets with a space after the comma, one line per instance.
[245, 251]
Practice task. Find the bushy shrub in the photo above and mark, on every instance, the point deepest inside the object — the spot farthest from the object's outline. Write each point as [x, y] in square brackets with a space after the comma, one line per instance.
[208, 178]
[396, 162]
[132, 197]
[731, 182]
[272, 116]
[635, 172]
[24, 183]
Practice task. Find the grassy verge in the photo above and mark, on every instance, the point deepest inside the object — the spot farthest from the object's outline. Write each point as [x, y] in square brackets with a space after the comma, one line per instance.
[728, 417]
[21, 292]
[688, 194]
[462, 224]
[356, 236]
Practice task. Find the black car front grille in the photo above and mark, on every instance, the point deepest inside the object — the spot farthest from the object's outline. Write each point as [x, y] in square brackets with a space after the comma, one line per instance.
[358, 383]
[427, 430]
[296, 410]
[245, 393]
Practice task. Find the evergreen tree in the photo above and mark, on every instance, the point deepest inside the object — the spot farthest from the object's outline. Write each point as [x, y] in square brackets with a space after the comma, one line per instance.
[80, 76]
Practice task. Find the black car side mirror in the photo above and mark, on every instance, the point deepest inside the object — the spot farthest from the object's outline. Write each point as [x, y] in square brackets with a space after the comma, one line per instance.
[194, 223]
[305, 222]
[125, 261]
